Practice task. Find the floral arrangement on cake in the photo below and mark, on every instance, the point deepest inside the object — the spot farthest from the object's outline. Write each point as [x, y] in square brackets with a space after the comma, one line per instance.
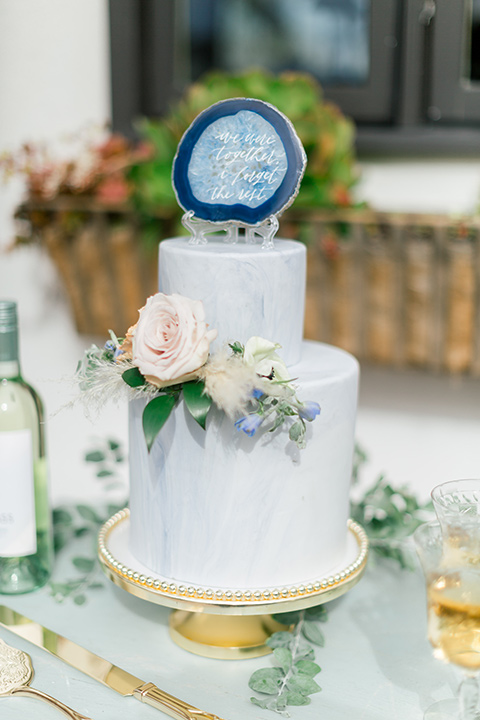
[166, 356]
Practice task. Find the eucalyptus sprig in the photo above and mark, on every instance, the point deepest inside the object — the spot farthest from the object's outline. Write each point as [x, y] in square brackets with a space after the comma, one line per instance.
[106, 456]
[389, 515]
[81, 521]
[71, 524]
[291, 681]
[75, 588]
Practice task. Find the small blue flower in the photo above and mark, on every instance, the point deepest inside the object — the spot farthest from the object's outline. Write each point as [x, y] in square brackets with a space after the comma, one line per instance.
[110, 345]
[249, 424]
[118, 352]
[257, 394]
[309, 410]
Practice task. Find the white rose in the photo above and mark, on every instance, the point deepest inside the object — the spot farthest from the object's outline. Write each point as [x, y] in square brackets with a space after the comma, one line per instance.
[171, 340]
[262, 356]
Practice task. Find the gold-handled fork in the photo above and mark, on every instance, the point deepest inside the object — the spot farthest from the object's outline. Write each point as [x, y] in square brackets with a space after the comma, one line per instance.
[16, 673]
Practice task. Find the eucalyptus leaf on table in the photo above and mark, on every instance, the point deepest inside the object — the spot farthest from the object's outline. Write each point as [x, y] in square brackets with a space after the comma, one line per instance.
[389, 516]
[78, 526]
[291, 681]
[70, 525]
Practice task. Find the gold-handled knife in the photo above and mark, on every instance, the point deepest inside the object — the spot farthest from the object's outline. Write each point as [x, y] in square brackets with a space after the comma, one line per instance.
[98, 668]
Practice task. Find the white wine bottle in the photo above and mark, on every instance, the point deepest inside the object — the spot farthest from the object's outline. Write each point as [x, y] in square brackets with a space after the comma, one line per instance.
[26, 548]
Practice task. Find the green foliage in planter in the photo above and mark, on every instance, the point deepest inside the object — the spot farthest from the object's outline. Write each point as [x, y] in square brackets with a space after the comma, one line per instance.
[325, 132]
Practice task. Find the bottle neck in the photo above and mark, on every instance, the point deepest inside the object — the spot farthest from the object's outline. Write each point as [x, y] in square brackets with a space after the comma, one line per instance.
[9, 359]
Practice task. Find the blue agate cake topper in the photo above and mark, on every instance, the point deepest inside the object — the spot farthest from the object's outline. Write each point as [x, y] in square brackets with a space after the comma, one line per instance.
[239, 164]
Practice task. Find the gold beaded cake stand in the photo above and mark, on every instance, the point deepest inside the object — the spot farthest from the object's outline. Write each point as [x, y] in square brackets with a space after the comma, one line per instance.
[223, 623]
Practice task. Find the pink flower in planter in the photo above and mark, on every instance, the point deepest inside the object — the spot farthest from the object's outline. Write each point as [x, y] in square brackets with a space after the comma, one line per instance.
[113, 189]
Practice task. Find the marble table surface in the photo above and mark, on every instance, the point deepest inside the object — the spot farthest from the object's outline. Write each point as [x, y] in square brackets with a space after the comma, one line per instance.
[376, 662]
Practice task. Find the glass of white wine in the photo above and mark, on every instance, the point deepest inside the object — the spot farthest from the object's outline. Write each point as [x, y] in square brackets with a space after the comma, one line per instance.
[457, 505]
[453, 607]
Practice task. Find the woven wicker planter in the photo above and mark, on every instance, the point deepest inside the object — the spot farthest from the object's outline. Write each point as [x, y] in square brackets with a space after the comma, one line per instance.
[396, 289]
[106, 269]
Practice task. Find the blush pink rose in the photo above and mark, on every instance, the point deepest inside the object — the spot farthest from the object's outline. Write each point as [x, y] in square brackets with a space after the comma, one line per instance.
[171, 339]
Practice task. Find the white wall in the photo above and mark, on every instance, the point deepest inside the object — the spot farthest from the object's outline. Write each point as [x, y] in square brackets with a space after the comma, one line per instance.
[423, 186]
[54, 74]
[54, 82]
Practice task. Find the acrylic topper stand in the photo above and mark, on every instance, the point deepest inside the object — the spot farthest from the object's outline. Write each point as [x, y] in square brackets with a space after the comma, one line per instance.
[238, 166]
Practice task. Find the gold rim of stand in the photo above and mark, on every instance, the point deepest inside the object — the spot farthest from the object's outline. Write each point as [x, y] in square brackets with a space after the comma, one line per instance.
[224, 601]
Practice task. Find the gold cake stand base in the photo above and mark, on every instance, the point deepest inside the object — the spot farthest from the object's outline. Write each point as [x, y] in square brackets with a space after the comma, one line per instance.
[221, 622]
[224, 637]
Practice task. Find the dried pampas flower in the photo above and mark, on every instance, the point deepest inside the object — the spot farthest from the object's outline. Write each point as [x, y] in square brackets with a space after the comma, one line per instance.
[229, 382]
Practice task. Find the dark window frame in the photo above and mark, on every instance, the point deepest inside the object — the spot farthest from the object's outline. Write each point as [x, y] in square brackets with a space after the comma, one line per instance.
[416, 102]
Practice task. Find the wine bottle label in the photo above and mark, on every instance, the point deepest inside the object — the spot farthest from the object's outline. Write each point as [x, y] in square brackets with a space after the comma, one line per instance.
[18, 535]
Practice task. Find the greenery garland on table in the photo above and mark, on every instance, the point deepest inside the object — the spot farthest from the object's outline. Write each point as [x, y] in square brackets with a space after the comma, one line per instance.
[84, 521]
[291, 681]
[387, 514]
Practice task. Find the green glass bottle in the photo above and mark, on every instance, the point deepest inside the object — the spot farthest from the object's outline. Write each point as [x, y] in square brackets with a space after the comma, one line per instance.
[26, 548]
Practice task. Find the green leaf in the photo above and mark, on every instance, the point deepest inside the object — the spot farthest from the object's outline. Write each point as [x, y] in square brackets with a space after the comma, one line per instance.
[318, 613]
[313, 633]
[84, 564]
[307, 667]
[305, 651]
[284, 658]
[89, 514]
[61, 517]
[155, 415]
[297, 434]
[80, 599]
[259, 703]
[279, 639]
[290, 618]
[237, 348]
[80, 531]
[95, 456]
[60, 539]
[295, 698]
[279, 420]
[113, 444]
[104, 473]
[197, 401]
[134, 377]
[61, 588]
[303, 684]
[112, 508]
[266, 680]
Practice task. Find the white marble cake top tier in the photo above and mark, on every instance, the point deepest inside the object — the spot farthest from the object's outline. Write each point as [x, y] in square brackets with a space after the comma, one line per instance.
[245, 289]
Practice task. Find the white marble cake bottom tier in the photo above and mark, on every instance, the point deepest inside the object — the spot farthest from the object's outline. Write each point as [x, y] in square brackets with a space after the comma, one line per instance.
[218, 508]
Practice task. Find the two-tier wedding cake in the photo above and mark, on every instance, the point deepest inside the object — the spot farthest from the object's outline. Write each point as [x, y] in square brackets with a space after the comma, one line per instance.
[241, 432]
[216, 507]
